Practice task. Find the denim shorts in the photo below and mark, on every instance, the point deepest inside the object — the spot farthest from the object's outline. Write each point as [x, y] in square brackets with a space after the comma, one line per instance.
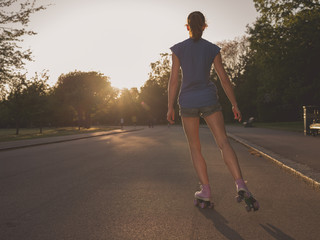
[200, 112]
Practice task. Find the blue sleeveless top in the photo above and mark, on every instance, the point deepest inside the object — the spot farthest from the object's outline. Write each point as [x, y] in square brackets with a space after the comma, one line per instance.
[196, 59]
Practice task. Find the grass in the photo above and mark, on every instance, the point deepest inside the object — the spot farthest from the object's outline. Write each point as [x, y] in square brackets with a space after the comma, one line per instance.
[286, 126]
[32, 133]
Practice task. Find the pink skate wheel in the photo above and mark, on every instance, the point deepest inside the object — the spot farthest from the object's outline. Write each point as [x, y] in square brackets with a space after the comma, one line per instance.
[202, 205]
[256, 206]
[248, 208]
[211, 205]
[238, 198]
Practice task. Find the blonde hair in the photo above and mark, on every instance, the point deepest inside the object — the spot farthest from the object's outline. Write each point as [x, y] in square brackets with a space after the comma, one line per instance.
[197, 23]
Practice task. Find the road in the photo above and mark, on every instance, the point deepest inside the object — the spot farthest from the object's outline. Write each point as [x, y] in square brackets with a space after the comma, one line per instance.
[140, 185]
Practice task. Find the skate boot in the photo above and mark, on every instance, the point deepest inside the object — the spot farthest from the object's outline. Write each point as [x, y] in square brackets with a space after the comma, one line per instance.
[244, 194]
[202, 198]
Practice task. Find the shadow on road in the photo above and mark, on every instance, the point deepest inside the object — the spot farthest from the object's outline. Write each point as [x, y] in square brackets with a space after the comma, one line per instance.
[276, 232]
[221, 224]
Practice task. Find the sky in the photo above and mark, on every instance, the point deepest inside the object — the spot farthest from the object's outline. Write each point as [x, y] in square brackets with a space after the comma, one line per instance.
[120, 38]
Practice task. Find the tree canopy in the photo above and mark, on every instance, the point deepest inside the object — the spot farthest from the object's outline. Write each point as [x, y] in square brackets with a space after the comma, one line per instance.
[85, 92]
[12, 28]
[285, 48]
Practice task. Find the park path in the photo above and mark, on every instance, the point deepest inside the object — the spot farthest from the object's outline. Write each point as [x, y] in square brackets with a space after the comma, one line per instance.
[140, 185]
[291, 145]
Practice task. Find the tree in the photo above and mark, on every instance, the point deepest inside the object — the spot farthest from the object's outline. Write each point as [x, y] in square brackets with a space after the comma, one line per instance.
[86, 92]
[154, 93]
[127, 106]
[27, 101]
[154, 101]
[285, 45]
[16, 104]
[12, 29]
[160, 71]
[234, 56]
[61, 114]
[37, 94]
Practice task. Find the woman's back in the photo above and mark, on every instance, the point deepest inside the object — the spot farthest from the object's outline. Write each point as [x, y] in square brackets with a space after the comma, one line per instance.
[196, 58]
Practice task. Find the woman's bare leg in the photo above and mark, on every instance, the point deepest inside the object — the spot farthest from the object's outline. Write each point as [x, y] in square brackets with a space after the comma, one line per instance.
[215, 122]
[191, 129]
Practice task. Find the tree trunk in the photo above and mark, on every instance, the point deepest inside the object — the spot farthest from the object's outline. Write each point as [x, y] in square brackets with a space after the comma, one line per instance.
[17, 127]
[40, 126]
[80, 119]
[87, 120]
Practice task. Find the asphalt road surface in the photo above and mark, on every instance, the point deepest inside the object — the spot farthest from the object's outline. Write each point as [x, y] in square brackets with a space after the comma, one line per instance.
[140, 185]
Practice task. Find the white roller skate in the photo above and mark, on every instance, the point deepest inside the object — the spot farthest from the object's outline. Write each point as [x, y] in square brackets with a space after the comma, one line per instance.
[202, 198]
[244, 194]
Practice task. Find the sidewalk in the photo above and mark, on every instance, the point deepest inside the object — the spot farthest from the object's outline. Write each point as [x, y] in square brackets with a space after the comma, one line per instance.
[48, 140]
[291, 150]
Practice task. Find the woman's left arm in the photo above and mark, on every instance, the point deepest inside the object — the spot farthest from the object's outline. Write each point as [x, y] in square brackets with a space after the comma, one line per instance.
[227, 86]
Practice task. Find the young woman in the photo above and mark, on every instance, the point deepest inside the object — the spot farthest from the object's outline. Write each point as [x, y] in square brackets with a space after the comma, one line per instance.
[198, 98]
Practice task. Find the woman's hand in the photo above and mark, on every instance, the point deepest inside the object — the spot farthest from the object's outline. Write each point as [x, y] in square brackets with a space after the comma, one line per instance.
[170, 115]
[236, 113]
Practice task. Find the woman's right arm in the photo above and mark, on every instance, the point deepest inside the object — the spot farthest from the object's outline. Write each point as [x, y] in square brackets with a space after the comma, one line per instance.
[173, 87]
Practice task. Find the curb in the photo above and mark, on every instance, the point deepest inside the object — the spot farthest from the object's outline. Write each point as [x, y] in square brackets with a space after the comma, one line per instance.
[71, 138]
[301, 171]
